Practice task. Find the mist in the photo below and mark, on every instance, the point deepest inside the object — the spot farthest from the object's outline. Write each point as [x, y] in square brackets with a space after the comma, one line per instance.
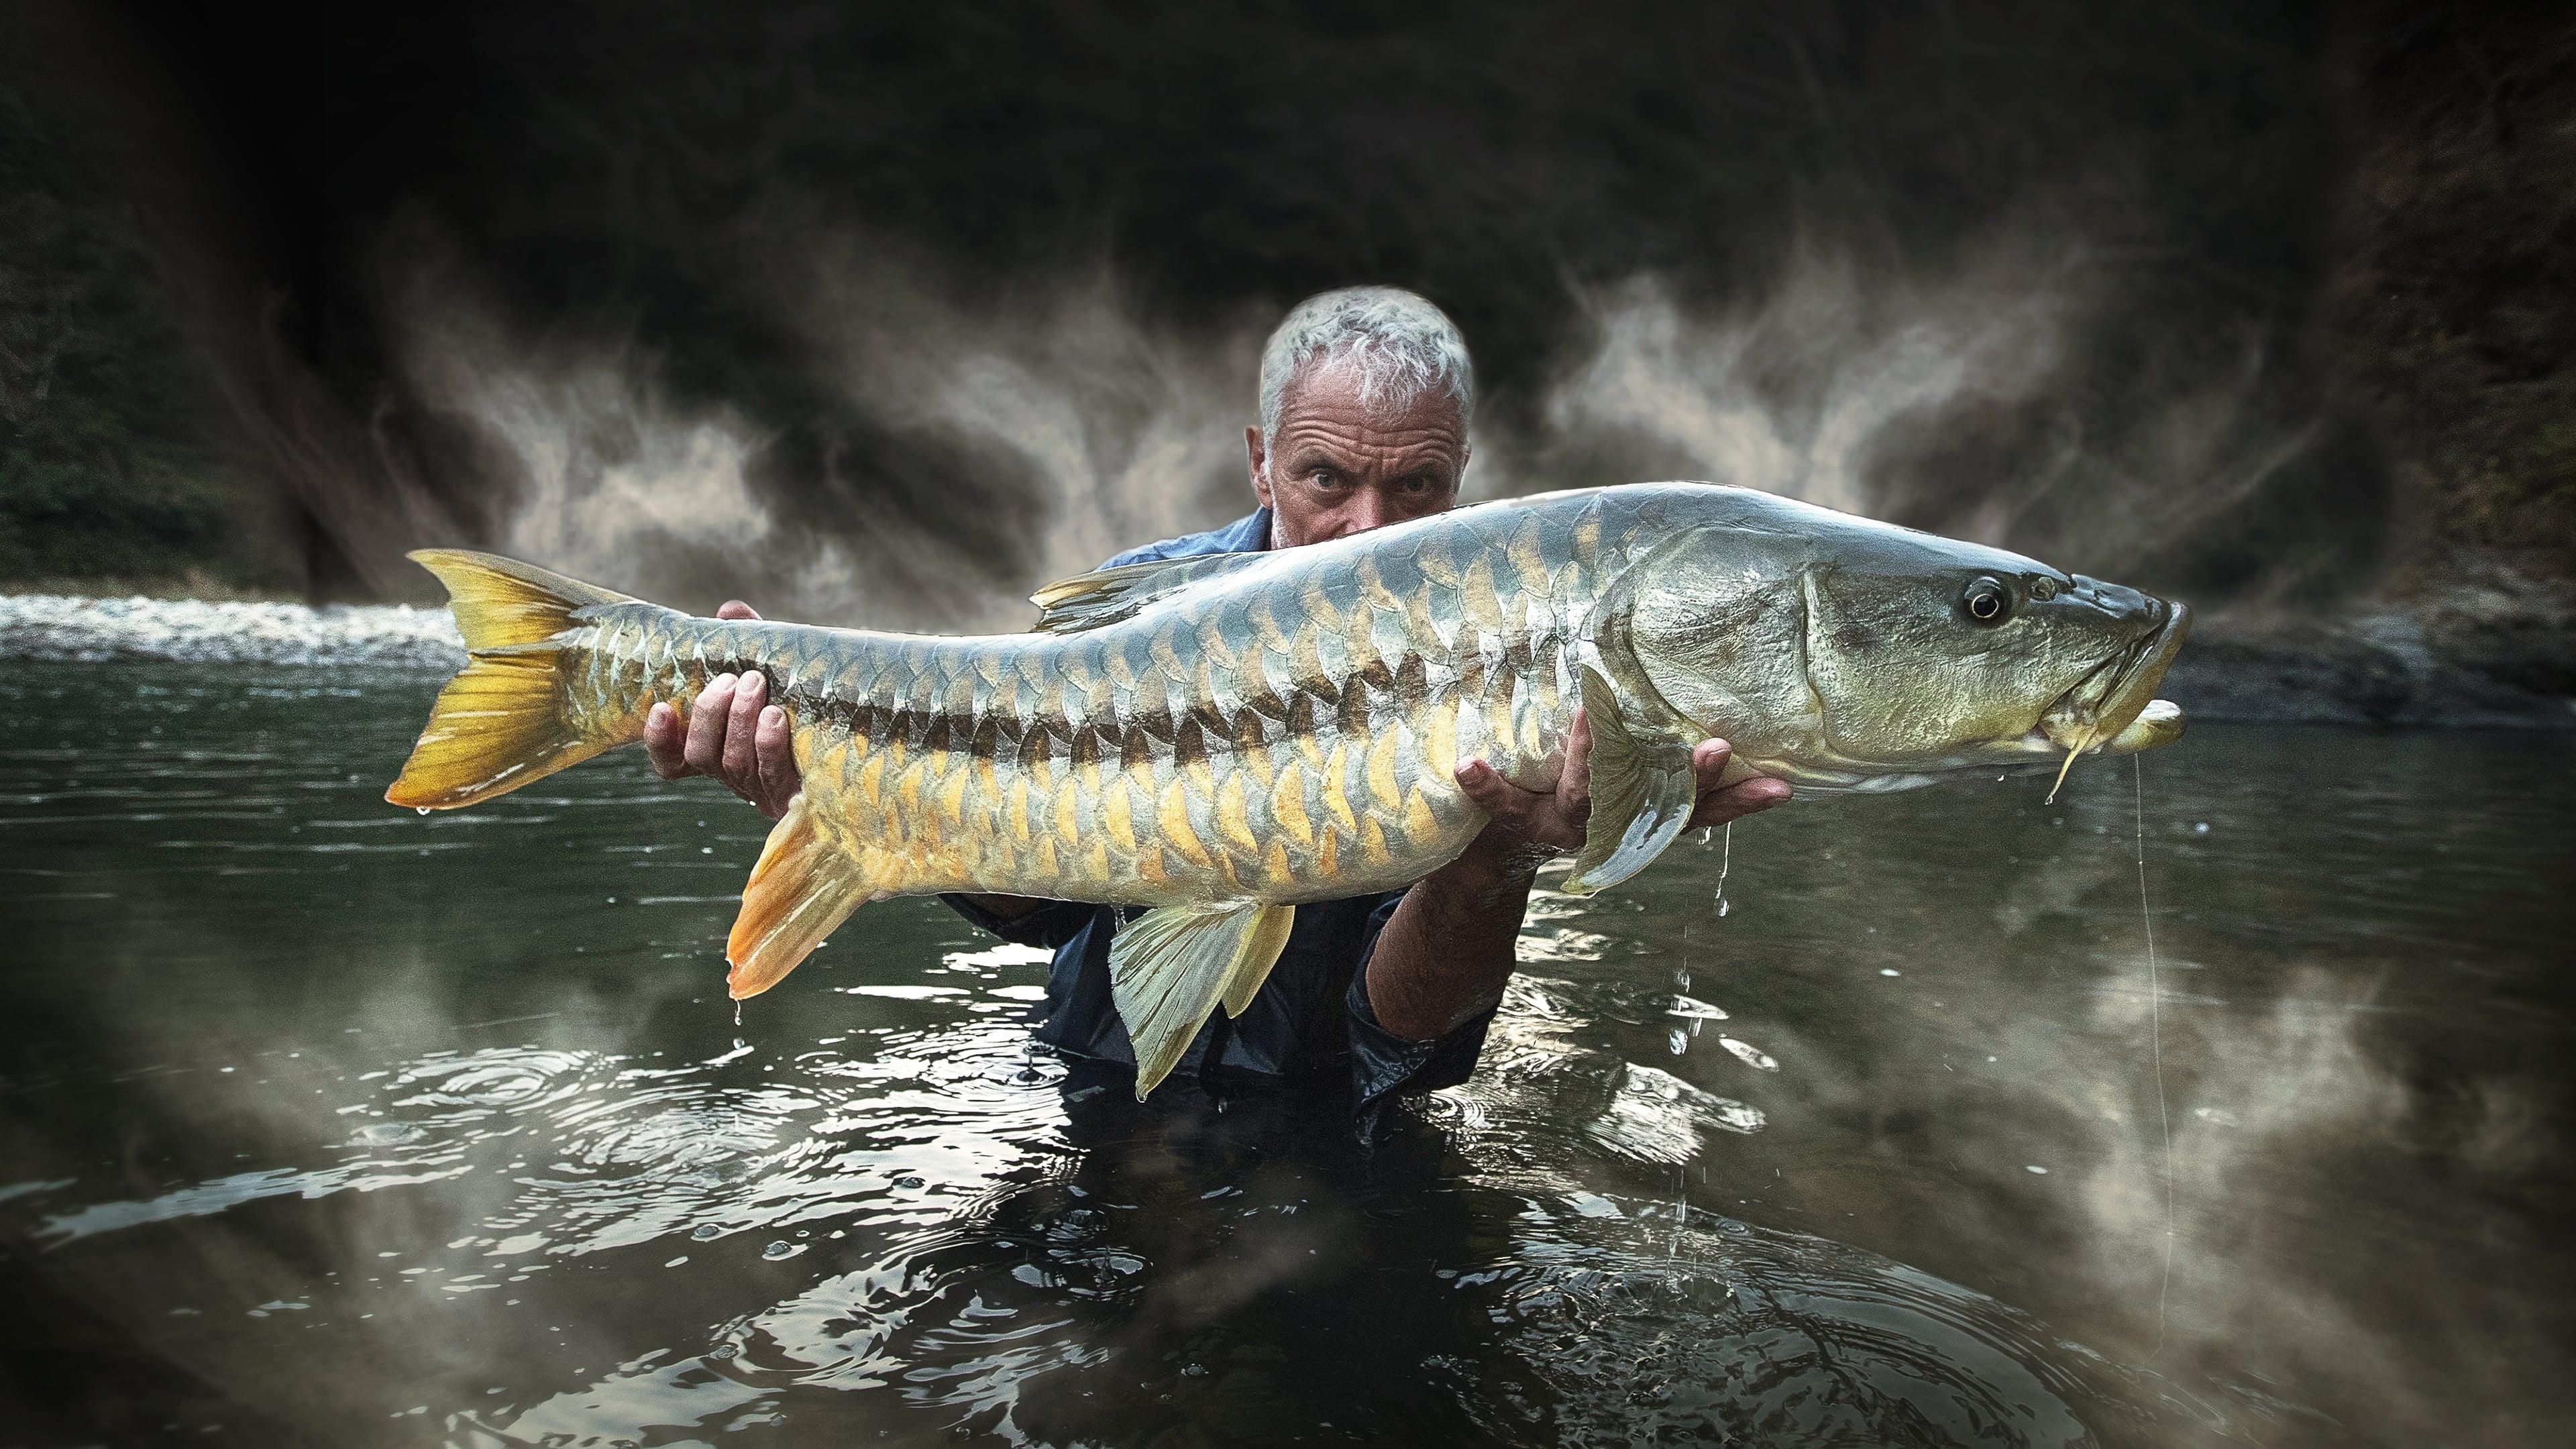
[1058, 423]
[886, 323]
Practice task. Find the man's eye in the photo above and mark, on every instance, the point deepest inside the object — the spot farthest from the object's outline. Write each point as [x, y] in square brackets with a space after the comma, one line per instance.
[1323, 478]
[1418, 485]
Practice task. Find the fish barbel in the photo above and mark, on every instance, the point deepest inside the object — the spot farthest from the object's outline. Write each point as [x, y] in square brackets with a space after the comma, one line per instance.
[1222, 738]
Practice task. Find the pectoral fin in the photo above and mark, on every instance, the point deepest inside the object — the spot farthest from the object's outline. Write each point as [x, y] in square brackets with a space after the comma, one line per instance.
[1168, 970]
[803, 886]
[1643, 791]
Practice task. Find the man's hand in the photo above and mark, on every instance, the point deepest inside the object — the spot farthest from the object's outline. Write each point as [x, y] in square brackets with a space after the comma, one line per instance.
[734, 734]
[1448, 950]
[1522, 818]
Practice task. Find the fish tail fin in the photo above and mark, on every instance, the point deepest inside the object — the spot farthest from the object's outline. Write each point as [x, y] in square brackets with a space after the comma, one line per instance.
[803, 887]
[503, 721]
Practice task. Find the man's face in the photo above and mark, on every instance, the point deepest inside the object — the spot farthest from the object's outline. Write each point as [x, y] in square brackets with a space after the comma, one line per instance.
[1338, 468]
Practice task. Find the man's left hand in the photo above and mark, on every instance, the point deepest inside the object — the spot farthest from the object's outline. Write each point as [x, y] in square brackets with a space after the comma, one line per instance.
[1557, 817]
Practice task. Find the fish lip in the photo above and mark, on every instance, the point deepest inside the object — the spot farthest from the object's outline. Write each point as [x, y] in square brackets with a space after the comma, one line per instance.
[2105, 702]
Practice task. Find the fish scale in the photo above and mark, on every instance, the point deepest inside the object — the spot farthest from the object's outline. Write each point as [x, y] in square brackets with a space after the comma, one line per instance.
[1223, 738]
[1326, 635]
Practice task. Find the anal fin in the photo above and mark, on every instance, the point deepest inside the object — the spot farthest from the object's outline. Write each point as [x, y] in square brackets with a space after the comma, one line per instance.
[1170, 969]
[803, 887]
[1643, 792]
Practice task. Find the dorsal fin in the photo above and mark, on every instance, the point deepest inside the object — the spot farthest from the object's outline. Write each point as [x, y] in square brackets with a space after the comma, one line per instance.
[1105, 596]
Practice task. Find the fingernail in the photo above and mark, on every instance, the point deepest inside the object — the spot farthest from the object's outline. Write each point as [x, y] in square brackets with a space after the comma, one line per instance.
[773, 715]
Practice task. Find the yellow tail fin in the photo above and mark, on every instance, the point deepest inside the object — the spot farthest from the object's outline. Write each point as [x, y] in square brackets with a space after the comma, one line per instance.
[502, 722]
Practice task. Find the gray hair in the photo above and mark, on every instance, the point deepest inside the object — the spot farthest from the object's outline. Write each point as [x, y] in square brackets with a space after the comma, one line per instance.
[1401, 345]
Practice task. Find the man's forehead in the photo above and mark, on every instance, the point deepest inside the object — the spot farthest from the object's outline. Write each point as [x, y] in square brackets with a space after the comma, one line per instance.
[1335, 398]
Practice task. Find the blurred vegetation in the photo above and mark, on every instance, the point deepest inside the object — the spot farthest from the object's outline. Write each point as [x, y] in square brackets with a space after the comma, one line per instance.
[2454, 304]
[2353, 217]
[114, 461]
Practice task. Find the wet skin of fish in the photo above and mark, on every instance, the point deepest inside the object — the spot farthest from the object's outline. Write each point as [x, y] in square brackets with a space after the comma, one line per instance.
[1222, 738]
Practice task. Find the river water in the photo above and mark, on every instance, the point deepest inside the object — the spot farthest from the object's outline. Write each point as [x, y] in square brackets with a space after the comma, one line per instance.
[324, 1122]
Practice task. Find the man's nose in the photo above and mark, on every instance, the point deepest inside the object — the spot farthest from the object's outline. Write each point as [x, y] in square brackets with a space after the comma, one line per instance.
[1369, 510]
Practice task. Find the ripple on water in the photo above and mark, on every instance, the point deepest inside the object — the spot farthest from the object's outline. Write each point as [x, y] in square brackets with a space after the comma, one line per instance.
[1747, 1335]
[599, 1152]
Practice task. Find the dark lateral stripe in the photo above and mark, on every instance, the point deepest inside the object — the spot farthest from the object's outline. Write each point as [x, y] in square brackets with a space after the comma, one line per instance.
[925, 704]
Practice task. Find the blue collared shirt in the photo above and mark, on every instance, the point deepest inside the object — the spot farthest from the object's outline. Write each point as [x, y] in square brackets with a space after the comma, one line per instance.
[1312, 1018]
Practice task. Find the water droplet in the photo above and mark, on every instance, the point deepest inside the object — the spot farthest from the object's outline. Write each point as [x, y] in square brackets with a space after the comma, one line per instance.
[1681, 978]
[781, 1249]
[737, 1017]
[2034, 1167]
[1724, 906]
[1679, 1040]
[705, 1231]
[675, 1262]
[1889, 971]
[423, 809]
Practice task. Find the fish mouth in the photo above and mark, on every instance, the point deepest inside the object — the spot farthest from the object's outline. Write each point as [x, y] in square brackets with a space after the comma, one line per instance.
[2113, 710]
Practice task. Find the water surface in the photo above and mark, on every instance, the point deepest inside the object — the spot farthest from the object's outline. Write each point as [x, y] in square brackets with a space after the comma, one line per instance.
[321, 1121]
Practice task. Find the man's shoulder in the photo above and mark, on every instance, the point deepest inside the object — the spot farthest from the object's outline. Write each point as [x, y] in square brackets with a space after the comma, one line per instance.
[1248, 534]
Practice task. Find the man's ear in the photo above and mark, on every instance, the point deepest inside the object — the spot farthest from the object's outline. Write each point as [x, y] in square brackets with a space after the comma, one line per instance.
[1259, 457]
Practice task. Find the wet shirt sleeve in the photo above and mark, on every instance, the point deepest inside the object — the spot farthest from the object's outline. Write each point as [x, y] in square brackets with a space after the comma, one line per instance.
[1385, 1066]
[1049, 926]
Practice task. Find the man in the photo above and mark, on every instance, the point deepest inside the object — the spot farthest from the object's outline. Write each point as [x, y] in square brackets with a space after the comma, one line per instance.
[1365, 397]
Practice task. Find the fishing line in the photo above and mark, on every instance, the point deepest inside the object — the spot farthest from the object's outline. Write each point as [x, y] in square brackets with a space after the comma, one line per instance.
[2156, 1038]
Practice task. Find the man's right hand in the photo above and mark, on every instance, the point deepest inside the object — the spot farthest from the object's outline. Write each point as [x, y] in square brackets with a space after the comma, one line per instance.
[734, 734]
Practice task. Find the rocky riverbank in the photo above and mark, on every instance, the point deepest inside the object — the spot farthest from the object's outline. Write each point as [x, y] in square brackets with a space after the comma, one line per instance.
[55, 628]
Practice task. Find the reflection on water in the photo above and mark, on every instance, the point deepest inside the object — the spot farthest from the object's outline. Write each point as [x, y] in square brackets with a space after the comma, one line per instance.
[441, 1130]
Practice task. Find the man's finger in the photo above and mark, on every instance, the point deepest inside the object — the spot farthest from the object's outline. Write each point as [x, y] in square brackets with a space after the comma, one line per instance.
[1495, 795]
[1708, 762]
[1574, 782]
[1744, 797]
[742, 726]
[777, 757]
[662, 741]
[705, 749]
[736, 609]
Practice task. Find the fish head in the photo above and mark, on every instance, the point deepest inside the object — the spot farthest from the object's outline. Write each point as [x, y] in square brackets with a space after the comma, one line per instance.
[1892, 653]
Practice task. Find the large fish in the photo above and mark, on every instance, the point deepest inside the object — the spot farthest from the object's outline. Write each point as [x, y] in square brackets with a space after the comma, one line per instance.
[1224, 737]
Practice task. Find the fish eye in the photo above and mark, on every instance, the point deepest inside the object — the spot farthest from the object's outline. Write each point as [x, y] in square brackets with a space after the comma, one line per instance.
[1986, 601]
